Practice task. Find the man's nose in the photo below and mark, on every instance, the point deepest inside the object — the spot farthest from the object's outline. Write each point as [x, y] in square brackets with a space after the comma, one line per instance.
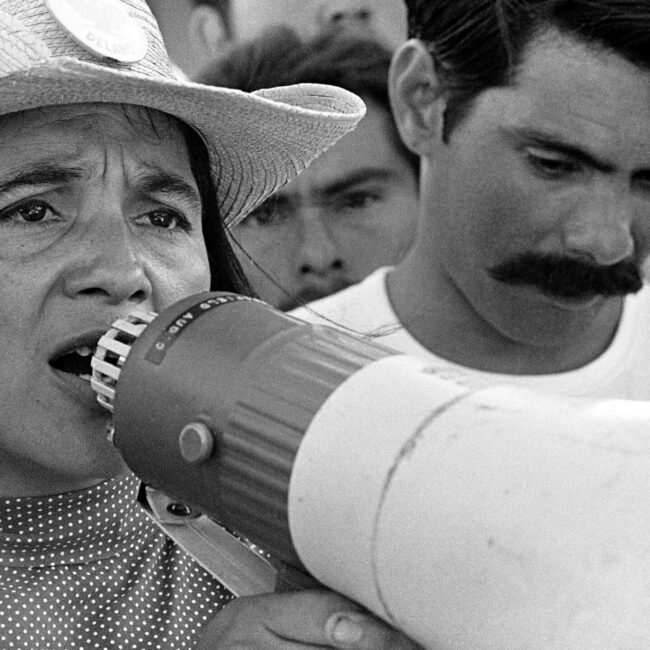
[109, 266]
[601, 230]
[318, 253]
[345, 13]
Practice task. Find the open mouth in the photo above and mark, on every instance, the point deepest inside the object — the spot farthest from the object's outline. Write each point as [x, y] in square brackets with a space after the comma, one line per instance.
[76, 362]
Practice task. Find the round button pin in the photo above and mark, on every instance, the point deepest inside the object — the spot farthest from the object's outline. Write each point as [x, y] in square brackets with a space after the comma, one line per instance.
[103, 27]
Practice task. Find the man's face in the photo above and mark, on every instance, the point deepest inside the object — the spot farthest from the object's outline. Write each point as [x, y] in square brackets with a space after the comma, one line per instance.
[99, 214]
[554, 168]
[385, 19]
[353, 210]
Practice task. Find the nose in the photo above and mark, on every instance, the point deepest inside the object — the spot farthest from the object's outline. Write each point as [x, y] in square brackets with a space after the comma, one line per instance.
[108, 266]
[601, 230]
[318, 255]
[345, 13]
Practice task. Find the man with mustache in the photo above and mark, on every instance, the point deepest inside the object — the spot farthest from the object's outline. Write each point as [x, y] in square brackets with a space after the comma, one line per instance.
[530, 119]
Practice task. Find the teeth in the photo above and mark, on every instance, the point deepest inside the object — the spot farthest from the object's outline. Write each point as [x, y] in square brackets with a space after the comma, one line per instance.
[84, 351]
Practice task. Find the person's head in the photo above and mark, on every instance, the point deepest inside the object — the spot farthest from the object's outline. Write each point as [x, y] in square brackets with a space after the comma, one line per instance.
[222, 7]
[209, 28]
[197, 31]
[194, 31]
[480, 44]
[382, 19]
[530, 118]
[354, 210]
[115, 182]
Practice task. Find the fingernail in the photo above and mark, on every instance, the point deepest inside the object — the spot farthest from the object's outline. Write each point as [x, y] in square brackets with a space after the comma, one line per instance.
[344, 629]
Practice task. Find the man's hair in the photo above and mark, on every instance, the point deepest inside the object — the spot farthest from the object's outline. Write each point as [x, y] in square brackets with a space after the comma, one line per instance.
[479, 44]
[278, 57]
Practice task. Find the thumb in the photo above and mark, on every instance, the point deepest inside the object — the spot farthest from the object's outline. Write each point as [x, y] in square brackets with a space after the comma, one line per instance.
[350, 630]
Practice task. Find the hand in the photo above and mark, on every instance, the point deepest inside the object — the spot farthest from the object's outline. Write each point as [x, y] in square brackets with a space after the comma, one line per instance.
[301, 619]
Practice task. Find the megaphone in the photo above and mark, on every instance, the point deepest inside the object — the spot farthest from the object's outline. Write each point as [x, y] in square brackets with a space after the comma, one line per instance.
[466, 515]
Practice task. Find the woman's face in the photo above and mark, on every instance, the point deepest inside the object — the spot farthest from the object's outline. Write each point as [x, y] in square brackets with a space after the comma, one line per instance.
[99, 214]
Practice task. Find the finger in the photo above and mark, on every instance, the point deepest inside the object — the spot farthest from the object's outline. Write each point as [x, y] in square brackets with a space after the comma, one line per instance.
[275, 621]
[303, 615]
[356, 631]
[305, 619]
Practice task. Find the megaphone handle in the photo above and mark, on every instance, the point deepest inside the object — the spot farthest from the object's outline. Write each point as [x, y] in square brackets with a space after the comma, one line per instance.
[291, 579]
[241, 567]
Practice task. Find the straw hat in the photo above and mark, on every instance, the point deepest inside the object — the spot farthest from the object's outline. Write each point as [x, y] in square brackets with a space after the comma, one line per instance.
[79, 51]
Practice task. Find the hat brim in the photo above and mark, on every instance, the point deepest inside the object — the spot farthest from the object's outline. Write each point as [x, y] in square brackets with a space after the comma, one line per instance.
[257, 141]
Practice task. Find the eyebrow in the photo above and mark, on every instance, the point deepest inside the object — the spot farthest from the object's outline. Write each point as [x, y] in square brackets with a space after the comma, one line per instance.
[286, 197]
[160, 182]
[41, 174]
[157, 182]
[357, 177]
[555, 143]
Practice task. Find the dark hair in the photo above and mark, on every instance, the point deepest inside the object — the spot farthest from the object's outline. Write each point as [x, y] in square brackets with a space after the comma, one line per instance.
[338, 57]
[478, 44]
[226, 273]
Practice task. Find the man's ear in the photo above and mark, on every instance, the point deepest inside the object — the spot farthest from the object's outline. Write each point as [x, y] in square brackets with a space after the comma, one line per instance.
[207, 29]
[416, 96]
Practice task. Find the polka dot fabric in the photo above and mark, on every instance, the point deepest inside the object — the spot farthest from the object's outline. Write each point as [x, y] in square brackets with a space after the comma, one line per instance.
[89, 570]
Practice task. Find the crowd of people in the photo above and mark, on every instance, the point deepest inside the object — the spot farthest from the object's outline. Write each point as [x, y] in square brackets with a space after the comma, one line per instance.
[477, 197]
[355, 208]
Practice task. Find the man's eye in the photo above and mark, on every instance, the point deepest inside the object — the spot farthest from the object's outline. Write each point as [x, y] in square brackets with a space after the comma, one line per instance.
[552, 167]
[168, 220]
[357, 200]
[266, 215]
[641, 181]
[30, 212]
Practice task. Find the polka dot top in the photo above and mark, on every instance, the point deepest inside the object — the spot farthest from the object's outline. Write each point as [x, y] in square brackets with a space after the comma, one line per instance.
[88, 569]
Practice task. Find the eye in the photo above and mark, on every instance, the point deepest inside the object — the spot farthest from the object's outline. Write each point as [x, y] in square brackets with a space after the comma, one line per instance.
[359, 200]
[269, 213]
[641, 181]
[551, 166]
[167, 219]
[28, 212]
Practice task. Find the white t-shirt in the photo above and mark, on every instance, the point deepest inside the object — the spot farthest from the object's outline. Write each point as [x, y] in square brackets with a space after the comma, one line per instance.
[622, 371]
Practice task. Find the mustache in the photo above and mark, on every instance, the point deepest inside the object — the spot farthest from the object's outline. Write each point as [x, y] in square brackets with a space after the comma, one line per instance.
[568, 277]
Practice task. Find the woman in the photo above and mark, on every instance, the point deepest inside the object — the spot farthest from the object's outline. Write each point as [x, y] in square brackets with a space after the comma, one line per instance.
[112, 178]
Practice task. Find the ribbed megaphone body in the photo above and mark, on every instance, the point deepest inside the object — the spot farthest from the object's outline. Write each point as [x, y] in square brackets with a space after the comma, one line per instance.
[468, 516]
